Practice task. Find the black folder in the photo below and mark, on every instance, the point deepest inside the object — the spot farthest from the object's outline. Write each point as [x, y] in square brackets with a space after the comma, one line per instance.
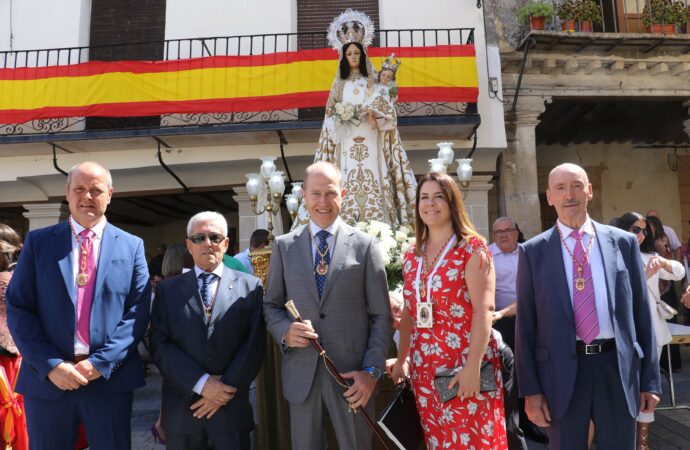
[400, 419]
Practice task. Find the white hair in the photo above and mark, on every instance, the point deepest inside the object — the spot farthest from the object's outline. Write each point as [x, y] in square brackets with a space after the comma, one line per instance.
[208, 216]
[501, 219]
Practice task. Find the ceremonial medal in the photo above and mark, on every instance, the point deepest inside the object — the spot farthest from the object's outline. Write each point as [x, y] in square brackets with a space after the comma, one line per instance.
[422, 291]
[579, 283]
[82, 279]
[322, 268]
[355, 91]
[425, 317]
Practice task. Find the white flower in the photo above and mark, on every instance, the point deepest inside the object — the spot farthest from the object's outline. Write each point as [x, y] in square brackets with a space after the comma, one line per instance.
[386, 258]
[452, 274]
[404, 247]
[411, 240]
[405, 230]
[472, 407]
[465, 438]
[362, 226]
[452, 340]
[389, 242]
[339, 109]
[400, 236]
[456, 310]
[345, 116]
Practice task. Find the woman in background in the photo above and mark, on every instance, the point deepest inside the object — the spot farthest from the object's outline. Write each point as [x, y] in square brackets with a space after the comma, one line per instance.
[656, 267]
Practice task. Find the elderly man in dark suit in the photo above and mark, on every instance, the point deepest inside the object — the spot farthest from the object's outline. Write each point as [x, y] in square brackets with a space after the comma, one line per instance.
[585, 341]
[77, 306]
[336, 277]
[208, 339]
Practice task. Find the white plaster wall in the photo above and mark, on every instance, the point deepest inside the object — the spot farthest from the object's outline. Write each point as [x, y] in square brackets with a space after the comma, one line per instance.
[211, 18]
[632, 179]
[39, 24]
[402, 14]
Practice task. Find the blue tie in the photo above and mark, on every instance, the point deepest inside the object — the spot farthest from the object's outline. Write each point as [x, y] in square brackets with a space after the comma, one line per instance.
[323, 250]
[206, 279]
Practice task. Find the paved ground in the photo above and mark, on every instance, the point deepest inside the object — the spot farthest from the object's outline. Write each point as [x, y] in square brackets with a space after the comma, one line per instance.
[671, 430]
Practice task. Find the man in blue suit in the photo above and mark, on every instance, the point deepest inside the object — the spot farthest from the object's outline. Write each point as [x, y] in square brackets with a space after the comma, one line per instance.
[77, 306]
[585, 341]
[208, 339]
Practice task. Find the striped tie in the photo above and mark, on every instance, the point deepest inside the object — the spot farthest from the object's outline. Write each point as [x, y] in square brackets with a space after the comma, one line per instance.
[586, 320]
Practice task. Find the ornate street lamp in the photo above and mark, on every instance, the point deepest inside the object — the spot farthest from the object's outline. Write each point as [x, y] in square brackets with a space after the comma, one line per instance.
[270, 181]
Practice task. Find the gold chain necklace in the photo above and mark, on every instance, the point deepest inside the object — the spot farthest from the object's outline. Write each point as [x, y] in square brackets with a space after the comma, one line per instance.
[322, 266]
[82, 276]
[426, 266]
[579, 280]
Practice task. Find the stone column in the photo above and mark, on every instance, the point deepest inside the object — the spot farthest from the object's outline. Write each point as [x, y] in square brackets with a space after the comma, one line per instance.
[248, 221]
[518, 188]
[686, 122]
[477, 203]
[42, 215]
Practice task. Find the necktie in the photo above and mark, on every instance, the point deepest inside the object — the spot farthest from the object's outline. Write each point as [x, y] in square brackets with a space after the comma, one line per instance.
[206, 279]
[584, 305]
[85, 291]
[322, 247]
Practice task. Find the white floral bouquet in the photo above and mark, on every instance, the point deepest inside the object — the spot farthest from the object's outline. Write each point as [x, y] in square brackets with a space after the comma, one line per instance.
[393, 245]
[347, 112]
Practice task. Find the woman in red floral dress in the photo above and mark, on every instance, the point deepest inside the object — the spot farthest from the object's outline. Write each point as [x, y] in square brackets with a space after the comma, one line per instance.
[449, 273]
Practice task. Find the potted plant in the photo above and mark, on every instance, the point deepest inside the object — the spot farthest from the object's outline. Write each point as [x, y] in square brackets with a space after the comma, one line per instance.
[536, 14]
[658, 17]
[687, 19]
[587, 12]
[678, 14]
[566, 12]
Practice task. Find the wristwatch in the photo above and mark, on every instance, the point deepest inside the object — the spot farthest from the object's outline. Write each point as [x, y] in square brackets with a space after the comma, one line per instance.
[375, 372]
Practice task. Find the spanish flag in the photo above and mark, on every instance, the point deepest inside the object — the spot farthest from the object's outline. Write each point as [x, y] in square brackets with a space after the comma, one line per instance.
[274, 81]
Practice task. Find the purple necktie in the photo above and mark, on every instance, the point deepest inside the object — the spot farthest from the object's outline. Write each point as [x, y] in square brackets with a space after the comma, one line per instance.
[85, 292]
[584, 305]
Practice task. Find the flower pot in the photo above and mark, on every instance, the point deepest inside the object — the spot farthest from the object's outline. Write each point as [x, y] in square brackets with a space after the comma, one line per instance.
[568, 25]
[656, 28]
[669, 28]
[536, 23]
[586, 26]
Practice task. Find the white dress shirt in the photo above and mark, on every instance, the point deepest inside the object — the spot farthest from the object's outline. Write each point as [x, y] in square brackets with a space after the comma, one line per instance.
[661, 331]
[82, 348]
[598, 273]
[212, 289]
[506, 266]
[673, 241]
[246, 260]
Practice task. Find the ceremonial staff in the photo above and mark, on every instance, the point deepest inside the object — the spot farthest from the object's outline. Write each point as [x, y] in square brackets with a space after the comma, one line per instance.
[292, 309]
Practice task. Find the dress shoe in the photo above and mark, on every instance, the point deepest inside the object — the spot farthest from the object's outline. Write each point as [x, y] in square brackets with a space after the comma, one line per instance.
[534, 433]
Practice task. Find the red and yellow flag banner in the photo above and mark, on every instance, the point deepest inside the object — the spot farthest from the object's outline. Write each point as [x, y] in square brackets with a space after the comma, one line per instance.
[274, 81]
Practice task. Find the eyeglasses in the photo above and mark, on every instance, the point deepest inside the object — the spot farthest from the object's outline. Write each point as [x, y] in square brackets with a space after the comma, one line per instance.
[506, 231]
[200, 238]
[638, 230]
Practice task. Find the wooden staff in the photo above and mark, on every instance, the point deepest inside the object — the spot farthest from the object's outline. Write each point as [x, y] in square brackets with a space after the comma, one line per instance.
[292, 309]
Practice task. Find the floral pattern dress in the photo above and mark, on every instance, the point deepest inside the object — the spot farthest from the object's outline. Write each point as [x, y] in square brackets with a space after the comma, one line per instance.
[473, 423]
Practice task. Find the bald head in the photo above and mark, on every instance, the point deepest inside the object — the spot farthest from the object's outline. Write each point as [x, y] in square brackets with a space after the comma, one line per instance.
[568, 168]
[325, 168]
[89, 190]
[91, 168]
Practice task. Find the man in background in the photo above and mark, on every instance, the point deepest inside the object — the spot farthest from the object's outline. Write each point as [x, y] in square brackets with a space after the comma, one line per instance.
[257, 241]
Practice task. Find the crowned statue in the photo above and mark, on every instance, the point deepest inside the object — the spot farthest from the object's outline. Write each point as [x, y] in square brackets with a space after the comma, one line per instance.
[360, 133]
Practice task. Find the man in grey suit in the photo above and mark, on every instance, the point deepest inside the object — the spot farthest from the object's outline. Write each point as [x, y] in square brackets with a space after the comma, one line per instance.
[585, 340]
[336, 277]
[208, 339]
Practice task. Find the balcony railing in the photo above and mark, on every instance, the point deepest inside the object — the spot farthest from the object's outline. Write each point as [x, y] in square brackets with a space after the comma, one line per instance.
[631, 16]
[179, 49]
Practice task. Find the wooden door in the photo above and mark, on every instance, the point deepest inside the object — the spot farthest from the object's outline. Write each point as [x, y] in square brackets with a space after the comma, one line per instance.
[628, 16]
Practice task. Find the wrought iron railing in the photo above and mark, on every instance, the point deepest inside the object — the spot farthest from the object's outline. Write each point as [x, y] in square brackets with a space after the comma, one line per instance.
[175, 49]
[633, 16]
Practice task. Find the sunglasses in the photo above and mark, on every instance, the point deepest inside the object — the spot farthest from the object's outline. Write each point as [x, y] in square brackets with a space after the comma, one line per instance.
[638, 230]
[200, 238]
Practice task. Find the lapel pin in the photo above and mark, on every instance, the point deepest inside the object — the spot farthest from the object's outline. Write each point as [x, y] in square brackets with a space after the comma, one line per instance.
[229, 286]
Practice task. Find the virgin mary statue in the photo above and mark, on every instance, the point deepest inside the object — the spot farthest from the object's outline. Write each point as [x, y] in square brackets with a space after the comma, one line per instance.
[377, 175]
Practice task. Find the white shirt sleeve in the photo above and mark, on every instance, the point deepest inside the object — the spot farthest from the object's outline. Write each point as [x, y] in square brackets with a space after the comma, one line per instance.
[199, 386]
[672, 238]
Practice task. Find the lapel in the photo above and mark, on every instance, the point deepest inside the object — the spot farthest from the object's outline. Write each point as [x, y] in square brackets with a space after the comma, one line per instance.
[303, 242]
[190, 293]
[343, 242]
[108, 244]
[553, 257]
[226, 295]
[609, 254]
[62, 242]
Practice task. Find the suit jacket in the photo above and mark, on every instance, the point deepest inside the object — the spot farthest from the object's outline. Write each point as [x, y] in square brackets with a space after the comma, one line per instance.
[41, 313]
[353, 318]
[184, 347]
[545, 337]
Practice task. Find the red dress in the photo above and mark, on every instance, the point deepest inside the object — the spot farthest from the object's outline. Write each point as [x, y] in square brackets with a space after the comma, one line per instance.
[475, 422]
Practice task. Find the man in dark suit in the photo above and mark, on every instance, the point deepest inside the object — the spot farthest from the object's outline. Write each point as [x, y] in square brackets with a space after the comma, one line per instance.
[585, 341]
[208, 339]
[77, 307]
[336, 277]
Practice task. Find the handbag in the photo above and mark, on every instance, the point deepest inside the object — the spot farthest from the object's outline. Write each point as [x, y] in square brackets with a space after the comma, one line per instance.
[400, 419]
[664, 310]
[487, 382]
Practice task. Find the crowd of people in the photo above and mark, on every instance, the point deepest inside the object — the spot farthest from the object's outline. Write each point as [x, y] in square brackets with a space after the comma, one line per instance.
[560, 334]
[580, 306]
